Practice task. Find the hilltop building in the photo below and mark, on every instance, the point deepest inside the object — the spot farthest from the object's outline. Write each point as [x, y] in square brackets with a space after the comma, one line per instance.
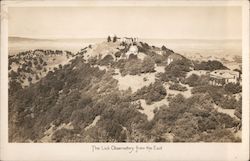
[220, 77]
[129, 40]
[173, 57]
[132, 50]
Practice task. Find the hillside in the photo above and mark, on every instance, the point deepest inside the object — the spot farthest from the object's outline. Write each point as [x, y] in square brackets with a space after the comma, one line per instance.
[118, 91]
[30, 66]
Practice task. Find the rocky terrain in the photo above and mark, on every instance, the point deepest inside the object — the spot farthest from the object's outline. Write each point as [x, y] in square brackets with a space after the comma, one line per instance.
[120, 91]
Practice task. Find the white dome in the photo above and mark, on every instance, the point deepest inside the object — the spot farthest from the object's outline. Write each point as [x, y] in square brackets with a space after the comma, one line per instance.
[133, 49]
[112, 35]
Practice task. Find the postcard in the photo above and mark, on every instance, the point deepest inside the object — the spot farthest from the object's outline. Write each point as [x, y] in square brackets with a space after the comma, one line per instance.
[124, 80]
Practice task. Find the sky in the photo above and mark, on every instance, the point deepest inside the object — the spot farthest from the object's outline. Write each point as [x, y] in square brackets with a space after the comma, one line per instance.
[143, 22]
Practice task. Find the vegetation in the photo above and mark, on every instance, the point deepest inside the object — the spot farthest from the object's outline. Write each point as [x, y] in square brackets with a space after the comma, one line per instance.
[209, 65]
[135, 66]
[177, 87]
[109, 39]
[153, 92]
[229, 102]
[233, 88]
[78, 102]
[176, 71]
[190, 123]
[195, 80]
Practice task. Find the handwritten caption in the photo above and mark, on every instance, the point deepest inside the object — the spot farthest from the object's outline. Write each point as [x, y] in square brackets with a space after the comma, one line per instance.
[129, 149]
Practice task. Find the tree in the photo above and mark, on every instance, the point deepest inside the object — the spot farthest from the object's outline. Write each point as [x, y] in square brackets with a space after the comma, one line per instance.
[106, 60]
[29, 64]
[132, 56]
[178, 87]
[148, 65]
[109, 39]
[228, 102]
[195, 80]
[29, 79]
[192, 80]
[151, 93]
[118, 54]
[13, 75]
[37, 77]
[163, 48]
[178, 68]
[114, 38]
[233, 88]
[209, 65]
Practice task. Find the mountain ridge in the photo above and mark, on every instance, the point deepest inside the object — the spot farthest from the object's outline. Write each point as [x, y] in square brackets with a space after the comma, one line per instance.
[91, 97]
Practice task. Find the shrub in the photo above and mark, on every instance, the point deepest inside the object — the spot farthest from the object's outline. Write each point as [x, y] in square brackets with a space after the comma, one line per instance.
[192, 80]
[209, 65]
[108, 39]
[148, 65]
[151, 93]
[114, 39]
[84, 100]
[226, 120]
[238, 109]
[177, 87]
[178, 68]
[62, 135]
[118, 54]
[108, 59]
[219, 135]
[132, 56]
[215, 92]
[132, 67]
[195, 80]
[233, 88]
[29, 79]
[228, 102]
[37, 77]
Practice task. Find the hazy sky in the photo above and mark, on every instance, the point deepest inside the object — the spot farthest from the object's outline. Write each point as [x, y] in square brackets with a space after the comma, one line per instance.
[142, 22]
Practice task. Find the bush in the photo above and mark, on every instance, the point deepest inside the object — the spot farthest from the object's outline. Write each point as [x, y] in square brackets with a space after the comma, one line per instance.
[178, 68]
[132, 67]
[62, 135]
[177, 87]
[108, 59]
[118, 54]
[148, 65]
[151, 93]
[209, 65]
[214, 91]
[114, 39]
[29, 79]
[226, 120]
[132, 56]
[228, 102]
[84, 101]
[108, 39]
[233, 88]
[192, 80]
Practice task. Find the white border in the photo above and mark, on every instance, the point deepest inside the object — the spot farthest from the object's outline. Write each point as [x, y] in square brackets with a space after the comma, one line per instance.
[83, 151]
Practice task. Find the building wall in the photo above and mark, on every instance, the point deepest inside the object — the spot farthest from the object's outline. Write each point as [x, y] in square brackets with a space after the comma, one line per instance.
[170, 60]
[227, 78]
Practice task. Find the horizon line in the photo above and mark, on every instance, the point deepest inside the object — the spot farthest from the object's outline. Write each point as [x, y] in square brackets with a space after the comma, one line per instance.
[65, 38]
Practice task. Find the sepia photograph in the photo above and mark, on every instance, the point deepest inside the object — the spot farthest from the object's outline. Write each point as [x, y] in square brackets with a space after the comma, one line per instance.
[129, 74]
[125, 74]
